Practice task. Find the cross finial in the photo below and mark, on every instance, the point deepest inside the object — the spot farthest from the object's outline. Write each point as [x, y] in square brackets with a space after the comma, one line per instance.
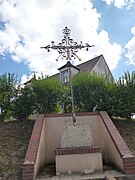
[67, 48]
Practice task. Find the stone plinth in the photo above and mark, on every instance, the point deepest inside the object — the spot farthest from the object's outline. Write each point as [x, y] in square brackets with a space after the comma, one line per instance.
[76, 136]
[77, 153]
[78, 160]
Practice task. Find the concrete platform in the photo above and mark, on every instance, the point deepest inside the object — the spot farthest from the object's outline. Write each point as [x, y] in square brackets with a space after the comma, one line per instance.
[48, 173]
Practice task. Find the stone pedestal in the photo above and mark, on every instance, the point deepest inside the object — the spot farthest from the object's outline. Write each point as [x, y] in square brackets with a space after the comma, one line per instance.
[76, 136]
[77, 152]
[78, 160]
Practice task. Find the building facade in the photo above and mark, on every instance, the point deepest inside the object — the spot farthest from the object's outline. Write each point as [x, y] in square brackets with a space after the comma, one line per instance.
[96, 65]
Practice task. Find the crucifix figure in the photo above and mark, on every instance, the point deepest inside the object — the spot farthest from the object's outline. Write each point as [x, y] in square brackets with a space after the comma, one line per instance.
[67, 49]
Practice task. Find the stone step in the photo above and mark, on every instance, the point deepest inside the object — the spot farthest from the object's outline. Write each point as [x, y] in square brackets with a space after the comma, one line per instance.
[49, 173]
[91, 177]
[109, 177]
[74, 177]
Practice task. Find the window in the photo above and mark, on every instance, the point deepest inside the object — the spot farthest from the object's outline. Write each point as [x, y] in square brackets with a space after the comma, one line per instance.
[64, 76]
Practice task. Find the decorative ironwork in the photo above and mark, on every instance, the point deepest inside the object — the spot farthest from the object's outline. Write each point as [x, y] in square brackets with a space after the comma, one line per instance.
[67, 48]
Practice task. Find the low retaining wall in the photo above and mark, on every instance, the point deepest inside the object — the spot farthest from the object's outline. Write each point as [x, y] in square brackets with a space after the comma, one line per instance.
[126, 159]
[129, 164]
[54, 128]
[34, 158]
[46, 137]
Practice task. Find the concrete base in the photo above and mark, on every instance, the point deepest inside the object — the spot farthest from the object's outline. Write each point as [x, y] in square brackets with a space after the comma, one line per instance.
[76, 136]
[48, 173]
[79, 163]
[76, 153]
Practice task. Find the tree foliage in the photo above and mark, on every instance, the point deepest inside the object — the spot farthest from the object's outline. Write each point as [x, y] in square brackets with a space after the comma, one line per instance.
[118, 98]
[47, 93]
[7, 90]
[91, 90]
[65, 99]
[23, 103]
[124, 96]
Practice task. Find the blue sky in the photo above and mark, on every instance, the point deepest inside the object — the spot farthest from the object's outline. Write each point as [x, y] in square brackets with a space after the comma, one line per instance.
[27, 25]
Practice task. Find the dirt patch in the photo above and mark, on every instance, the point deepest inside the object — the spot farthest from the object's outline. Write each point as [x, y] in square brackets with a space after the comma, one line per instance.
[127, 130]
[14, 138]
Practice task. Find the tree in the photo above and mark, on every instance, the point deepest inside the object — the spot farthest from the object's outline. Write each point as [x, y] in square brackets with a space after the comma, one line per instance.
[91, 90]
[65, 99]
[47, 93]
[24, 103]
[7, 89]
[124, 101]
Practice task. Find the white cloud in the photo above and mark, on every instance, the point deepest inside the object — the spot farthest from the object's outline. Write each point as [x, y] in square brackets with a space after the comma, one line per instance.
[31, 24]
[121, 3]
[133, 30]
[131, 48]
[24, 79]
[109, 2]
[111, 51]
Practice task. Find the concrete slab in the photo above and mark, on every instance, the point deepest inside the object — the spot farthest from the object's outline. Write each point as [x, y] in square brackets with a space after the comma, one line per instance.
[76, 136]
[75, 177]
[48, 173]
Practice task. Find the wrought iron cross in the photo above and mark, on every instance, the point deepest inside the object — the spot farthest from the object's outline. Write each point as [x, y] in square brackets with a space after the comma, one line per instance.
[67, 49]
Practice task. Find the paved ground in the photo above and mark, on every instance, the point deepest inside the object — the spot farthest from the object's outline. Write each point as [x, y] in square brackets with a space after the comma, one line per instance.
[48, 173]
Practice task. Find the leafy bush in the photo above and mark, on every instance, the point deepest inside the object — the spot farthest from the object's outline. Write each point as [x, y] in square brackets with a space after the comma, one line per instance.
[91, 90]
[24, 103]
[47, 93]
[7, 91]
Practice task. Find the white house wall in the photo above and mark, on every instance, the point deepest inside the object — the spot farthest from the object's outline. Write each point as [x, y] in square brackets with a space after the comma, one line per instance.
[74, 71]
[101, 68]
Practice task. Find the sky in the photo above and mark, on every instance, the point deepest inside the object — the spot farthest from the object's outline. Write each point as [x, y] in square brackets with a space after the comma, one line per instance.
[25, 26]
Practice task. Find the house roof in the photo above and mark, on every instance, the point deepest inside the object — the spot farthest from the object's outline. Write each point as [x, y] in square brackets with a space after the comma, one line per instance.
[86, 66]
[89, 65]
[56, 76]
[68, 64]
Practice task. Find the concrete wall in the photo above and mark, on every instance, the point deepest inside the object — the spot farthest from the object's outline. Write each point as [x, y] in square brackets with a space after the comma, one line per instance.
[46, 137]
[104, 133]
[79, 162]
[100, 135]
[109, 150]
[115, 149]
[35, 156]
[53, 131]
[40, 160]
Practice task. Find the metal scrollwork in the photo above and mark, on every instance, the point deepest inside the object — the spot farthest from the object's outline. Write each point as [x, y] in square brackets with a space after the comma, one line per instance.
[67, 48]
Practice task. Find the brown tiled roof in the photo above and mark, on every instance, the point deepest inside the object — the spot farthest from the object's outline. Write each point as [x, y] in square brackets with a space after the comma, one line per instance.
[88, 65]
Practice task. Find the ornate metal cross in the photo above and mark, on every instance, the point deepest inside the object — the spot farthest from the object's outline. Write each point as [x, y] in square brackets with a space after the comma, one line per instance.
[67, 49]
